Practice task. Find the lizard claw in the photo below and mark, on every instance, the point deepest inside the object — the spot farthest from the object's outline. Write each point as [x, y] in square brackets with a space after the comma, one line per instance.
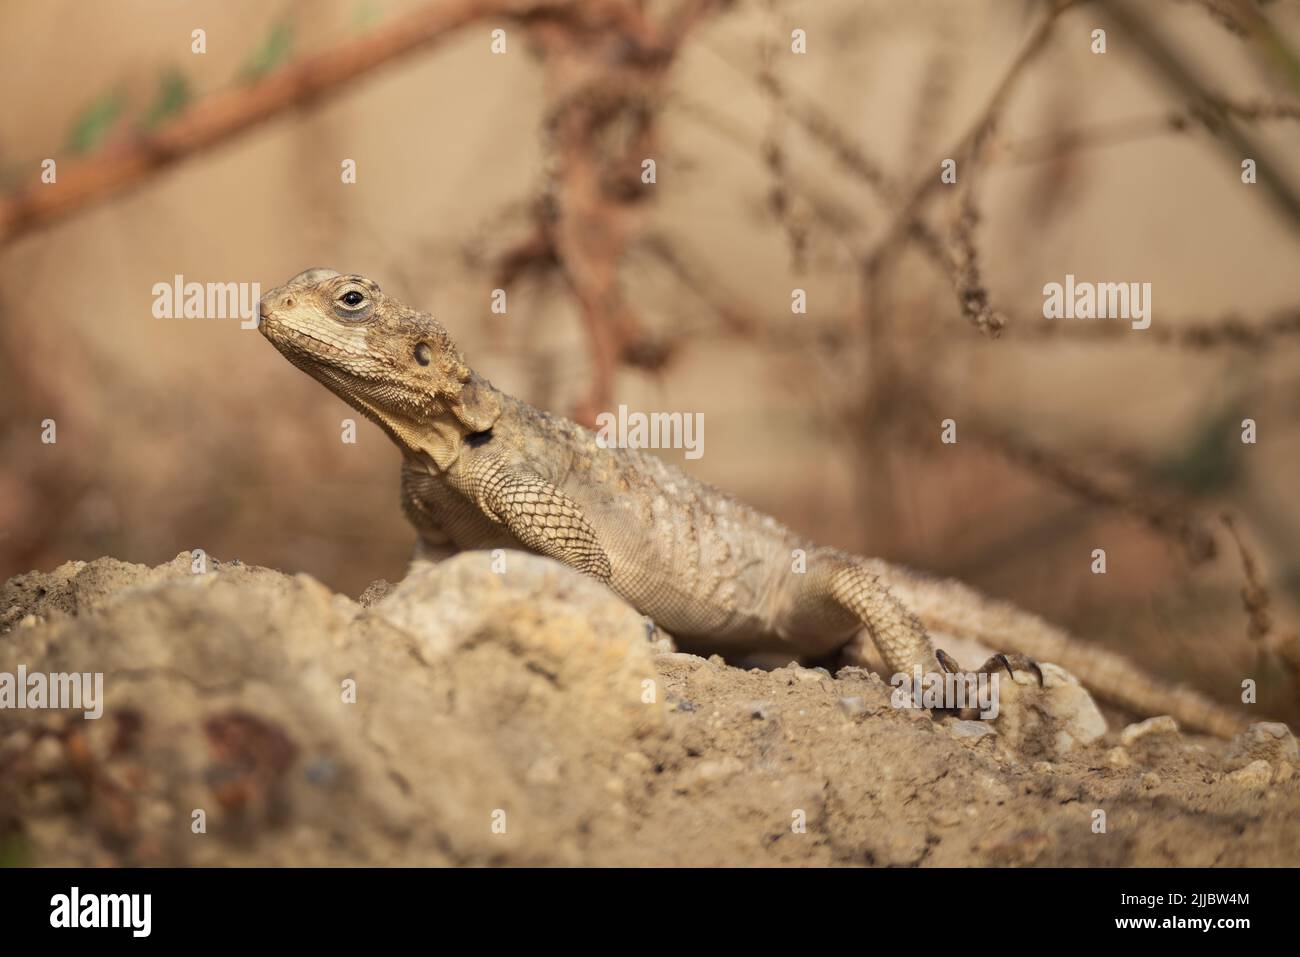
[947, 661]
[1008, 661]
[1012, 662]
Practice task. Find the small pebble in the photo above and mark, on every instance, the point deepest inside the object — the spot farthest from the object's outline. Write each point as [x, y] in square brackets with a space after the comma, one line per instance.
[1263, 741]
[1257, 774]
[853, 705]
[1118, 758]
[1160, 724]
[972, 732]
[945, 817]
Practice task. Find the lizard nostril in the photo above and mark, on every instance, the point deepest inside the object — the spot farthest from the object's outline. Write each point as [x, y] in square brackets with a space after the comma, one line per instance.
[288, 302]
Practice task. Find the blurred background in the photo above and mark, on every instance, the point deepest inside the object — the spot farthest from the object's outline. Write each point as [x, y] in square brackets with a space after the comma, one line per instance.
[775, 170]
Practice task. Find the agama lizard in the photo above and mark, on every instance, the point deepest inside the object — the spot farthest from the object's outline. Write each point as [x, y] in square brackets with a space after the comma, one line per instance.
[483, 470]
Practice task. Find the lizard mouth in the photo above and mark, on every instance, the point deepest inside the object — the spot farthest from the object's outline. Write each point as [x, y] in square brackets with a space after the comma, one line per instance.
[264, 319]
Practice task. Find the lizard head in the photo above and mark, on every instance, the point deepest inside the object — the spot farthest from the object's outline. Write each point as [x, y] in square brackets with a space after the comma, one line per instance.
[397, 366]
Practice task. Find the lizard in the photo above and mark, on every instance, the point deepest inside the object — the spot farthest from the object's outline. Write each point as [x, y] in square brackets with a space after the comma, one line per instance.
[482, 470]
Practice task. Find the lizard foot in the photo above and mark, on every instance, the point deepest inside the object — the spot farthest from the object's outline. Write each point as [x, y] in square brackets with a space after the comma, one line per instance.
[1009, 662]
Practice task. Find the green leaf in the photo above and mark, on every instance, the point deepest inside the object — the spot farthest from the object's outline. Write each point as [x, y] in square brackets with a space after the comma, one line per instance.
[14, 851]
[94, 123]
[275, 49]
[174, 94]
[1209, 463]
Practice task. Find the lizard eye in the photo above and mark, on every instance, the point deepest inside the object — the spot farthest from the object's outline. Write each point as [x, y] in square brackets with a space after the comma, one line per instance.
[353, 306]
[423, 354]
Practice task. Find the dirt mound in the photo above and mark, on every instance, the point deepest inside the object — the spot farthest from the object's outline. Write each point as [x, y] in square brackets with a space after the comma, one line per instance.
[471, 715]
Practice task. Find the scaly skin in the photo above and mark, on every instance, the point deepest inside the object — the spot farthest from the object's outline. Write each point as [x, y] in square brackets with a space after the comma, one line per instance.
[484, 470]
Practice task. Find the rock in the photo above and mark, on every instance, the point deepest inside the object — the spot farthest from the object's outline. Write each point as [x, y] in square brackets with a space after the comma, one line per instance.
[1160, 724]
[1257, 774]
[545, 770]
[853, 705]
[971, 733]
[1265, 740]
[679, 659]
[1050, 720]
[376, 591]
[711, 771]
[232, 692]
[946, 817]
[637, 761]
[319, 731]
[461, 600]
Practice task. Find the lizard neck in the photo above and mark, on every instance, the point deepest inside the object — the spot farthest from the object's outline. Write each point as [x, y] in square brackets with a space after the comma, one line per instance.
[435, 442]
[437, 439]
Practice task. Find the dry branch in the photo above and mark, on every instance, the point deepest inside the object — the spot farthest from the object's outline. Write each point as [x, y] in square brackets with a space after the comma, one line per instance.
[971, 144]
[1210, 109]
[1160, 513]
[1230, 331]
[224, 115]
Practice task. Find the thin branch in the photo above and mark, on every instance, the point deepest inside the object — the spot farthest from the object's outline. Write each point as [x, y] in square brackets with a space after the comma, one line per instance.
[969, 146]
[1161, 514]
[1208, 108]
[1255, 597]
[224, 115]
[1230, 331]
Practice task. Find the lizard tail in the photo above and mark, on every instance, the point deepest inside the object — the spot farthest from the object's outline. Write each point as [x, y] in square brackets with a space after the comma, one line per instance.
[954, 608]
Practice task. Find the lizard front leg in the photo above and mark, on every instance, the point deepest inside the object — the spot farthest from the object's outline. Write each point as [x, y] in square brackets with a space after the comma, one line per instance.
[543, 518]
